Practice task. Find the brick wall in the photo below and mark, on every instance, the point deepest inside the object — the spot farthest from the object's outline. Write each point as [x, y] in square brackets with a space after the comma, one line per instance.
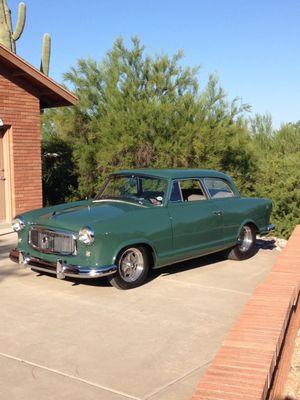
[20, 109]
[245, 364]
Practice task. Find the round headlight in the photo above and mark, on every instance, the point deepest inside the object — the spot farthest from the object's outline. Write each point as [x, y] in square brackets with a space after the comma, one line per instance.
[86, 235]
[18, 224]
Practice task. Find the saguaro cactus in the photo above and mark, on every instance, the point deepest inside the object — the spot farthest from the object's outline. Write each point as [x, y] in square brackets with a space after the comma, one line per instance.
[46, 52]
[8, 36]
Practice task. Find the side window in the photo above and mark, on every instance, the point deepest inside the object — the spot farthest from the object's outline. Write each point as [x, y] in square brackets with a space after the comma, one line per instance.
[218, 188]
[191, 190]
[176, 193]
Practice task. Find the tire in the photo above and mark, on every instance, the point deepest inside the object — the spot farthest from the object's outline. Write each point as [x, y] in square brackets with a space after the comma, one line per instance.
[133, 264]
[245, 248]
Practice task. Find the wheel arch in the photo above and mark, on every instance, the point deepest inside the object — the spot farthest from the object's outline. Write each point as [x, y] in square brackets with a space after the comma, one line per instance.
[148, 246]
[248, 222]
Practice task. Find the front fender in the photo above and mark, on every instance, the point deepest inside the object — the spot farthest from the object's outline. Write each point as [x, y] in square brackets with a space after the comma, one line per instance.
[134, 242]
[151, 227]
[106, 247]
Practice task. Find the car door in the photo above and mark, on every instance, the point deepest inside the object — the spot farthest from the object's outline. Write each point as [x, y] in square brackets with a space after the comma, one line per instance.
[196, 224]
[227, 202]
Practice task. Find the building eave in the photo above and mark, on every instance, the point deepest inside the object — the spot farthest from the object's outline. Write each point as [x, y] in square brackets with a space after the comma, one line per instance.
[50, 93]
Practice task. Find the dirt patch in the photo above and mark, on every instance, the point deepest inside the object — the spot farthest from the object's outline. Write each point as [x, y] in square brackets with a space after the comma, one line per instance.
[292, 387]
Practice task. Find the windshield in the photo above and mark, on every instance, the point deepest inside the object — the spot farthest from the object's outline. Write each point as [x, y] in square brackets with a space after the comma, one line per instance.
[133, 187]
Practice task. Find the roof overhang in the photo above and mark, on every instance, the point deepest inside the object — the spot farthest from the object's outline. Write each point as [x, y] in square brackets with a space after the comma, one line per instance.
[50, 93]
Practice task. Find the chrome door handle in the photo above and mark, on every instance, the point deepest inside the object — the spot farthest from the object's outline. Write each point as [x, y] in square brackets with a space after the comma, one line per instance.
[219, 213]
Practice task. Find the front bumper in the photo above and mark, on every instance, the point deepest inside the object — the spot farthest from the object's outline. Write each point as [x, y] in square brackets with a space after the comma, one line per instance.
[60, 269]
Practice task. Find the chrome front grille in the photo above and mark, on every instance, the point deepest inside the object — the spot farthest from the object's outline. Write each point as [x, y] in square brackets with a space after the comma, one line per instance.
[52, 241]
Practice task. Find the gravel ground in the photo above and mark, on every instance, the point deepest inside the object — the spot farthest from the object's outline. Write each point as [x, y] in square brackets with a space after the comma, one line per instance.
[292, 388]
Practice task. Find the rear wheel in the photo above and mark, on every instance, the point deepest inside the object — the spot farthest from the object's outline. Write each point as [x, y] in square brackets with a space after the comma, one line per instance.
[245, 247]
[133, 264]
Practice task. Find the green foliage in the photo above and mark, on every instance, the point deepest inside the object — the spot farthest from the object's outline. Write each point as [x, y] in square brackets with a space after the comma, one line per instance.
[279, 170]
[140, 111]
[59, 180]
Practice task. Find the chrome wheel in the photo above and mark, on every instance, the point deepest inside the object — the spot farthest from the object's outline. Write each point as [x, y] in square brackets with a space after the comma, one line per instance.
[245, 240]
[131, 265]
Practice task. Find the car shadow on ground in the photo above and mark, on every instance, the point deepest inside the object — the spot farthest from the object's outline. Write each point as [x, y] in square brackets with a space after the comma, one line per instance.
[9, 270]
[199, 262]
[5, 248]
[266, 244]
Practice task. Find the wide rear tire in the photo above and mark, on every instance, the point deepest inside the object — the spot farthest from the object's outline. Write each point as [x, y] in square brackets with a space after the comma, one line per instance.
[245, 248]
[133, 264]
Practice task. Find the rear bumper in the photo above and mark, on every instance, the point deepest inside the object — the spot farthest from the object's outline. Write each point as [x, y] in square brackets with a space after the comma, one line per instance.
[269, 228]
[60, 269]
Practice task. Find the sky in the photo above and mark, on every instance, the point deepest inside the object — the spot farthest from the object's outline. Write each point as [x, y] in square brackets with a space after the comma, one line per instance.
[252, 45]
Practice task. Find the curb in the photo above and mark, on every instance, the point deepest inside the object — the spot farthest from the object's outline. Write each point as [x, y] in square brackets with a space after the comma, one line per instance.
[245, 365]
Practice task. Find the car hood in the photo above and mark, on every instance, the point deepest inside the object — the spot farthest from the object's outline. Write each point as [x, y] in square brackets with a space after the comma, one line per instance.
[74, 217]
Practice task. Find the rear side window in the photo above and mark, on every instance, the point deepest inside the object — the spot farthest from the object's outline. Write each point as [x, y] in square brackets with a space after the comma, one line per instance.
[217, 188]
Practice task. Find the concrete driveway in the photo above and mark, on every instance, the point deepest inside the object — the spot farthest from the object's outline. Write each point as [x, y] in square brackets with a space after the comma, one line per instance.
[87, 340]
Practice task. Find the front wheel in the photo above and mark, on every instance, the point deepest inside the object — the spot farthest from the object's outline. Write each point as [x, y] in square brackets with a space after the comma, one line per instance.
[133, 265]
[245, 247]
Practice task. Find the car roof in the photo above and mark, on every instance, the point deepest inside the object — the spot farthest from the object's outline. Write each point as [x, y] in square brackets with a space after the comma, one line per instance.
[174, 173]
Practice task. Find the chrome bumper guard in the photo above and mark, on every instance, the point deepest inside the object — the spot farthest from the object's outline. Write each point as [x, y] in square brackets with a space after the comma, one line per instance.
[269, 228]
[60, 269]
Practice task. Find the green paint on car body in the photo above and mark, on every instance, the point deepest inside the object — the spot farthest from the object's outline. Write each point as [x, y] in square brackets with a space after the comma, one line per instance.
[173, 231]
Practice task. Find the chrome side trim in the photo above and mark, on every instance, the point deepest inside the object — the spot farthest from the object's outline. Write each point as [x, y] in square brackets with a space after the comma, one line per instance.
[61, 269]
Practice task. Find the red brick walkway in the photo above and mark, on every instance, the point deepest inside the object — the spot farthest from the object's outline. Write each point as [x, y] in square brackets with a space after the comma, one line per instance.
[245, 363]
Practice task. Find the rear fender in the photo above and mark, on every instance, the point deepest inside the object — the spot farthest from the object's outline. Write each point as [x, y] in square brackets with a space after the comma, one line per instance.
[247, 222]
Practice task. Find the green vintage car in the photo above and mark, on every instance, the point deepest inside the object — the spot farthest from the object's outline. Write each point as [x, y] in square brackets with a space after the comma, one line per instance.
[142, 219]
